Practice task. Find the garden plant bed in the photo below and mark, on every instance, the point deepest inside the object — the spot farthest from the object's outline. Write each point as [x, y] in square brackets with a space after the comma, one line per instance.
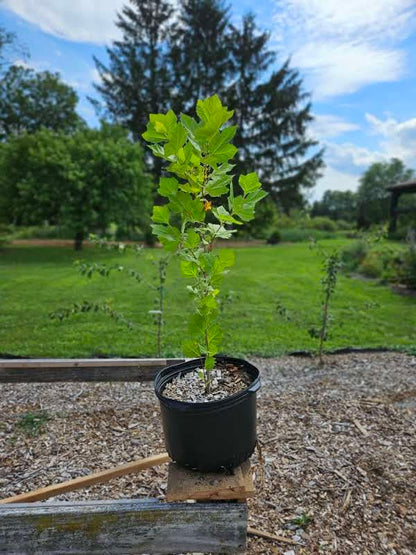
[339, 445]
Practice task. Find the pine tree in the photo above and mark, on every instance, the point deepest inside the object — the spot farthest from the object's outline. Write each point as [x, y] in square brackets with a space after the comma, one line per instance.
[273, 116]
[136, 81]
[199, 52]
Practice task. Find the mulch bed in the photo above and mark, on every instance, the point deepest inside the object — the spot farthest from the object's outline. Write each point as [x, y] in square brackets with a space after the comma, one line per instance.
[339, 445]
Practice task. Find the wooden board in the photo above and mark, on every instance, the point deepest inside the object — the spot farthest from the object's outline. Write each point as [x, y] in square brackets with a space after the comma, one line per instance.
[128, 526]
[89, 480]
[190, 484]
[82, 370]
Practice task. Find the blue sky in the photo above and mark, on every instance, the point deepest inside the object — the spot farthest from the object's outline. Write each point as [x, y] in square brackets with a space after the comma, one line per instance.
[358, 60]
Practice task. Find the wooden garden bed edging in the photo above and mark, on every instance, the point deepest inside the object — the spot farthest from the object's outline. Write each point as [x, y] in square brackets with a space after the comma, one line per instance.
[82, 369]
[122, 526]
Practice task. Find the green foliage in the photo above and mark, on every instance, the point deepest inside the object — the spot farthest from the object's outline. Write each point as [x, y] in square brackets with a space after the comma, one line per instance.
[405, 266]
[337, 205]
[353, 255]
[30, 101]
[33, 423]
[322, 223]
[209, 207]
[80, 182]
[274, 238]
[373, 196]
[331, 265]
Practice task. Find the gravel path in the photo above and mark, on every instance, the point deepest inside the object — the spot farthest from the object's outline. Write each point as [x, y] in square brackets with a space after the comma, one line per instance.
[339, 446]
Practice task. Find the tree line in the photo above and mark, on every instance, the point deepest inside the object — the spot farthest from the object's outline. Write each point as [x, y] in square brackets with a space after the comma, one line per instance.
[54, 169]
[369, 205]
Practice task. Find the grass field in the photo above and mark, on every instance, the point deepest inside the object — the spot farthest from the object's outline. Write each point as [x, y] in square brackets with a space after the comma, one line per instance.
[38, 280]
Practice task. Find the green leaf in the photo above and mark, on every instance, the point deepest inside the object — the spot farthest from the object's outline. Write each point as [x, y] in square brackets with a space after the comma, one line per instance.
[217, 184]
[223, 154]
[196, 325]
[215, 336]
[249, 182]
[212, 109]
[189, 269]
[209, 362]
[224, 216]
[191, 209]
[213, 115]
[177, 138]
[168, 186]
[191, 349]
[221, 139]
[161, 214]
[256, 196]
[192, 239]
[243, 208]
[159, 127]
[220, 232]
[168, 235]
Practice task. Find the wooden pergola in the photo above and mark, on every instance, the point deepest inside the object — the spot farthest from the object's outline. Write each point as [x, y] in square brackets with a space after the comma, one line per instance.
[396, 192]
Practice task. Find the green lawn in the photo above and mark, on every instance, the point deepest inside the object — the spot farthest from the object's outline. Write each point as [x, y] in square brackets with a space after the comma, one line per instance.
[38, 280]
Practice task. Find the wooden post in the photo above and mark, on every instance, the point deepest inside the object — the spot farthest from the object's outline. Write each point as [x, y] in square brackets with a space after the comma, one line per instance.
[394, 201]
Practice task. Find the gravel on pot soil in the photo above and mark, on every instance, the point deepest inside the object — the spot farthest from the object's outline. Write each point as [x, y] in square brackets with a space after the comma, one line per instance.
[338, 442]
[223, 382]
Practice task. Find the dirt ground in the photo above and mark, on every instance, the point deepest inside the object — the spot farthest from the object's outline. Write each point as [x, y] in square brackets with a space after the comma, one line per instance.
[339, 446]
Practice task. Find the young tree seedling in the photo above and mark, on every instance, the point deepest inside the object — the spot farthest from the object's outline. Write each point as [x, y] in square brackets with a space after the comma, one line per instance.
[201, 207]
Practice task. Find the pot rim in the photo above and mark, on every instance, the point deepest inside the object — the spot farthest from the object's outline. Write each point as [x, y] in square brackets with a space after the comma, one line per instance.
[193, 363]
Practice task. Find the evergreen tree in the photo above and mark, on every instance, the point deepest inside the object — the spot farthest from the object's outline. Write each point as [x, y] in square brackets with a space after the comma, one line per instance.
[272, 116]
[136, 81]
[164, 62]
[199, 52]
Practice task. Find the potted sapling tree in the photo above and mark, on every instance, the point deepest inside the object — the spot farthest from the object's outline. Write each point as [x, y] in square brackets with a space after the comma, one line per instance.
[208, 404]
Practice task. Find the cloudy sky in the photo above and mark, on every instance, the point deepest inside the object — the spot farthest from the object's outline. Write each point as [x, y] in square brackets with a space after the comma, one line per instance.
[357, 58]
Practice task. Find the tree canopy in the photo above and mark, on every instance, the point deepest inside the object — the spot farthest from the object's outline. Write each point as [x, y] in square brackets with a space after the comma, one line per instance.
[164, 62]
[373, 196]
[31, 100]
[82, 181]
[337, 205]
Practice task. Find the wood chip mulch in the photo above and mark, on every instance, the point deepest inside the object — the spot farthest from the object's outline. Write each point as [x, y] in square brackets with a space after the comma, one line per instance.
[338, 443]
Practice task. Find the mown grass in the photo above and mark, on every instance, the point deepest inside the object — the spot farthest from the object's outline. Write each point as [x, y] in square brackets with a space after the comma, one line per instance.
[38, 280]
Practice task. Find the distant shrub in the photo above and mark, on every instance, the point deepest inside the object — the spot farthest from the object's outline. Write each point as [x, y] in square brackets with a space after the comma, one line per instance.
[372, 265]
[353, 255]
[40, 232]
[404, 265]
[274, 238]
[343, 225]
[322, 223]
[297, 235]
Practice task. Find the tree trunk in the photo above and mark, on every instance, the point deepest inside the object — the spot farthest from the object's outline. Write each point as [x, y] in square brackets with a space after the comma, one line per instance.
[79, 238]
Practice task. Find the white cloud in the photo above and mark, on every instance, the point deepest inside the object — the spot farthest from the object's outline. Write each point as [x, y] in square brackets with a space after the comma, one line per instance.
[327, 125]
[76, 20]
[334, 180]
[343, 46]
[397, 139]
[349, 155]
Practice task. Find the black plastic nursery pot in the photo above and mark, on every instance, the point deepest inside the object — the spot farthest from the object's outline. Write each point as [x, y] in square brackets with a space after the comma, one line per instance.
[214, 435]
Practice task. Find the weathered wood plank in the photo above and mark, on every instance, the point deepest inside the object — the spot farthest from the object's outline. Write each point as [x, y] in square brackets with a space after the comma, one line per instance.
[89, 480]
[81, 370]
[190, 484]
[127, 526]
